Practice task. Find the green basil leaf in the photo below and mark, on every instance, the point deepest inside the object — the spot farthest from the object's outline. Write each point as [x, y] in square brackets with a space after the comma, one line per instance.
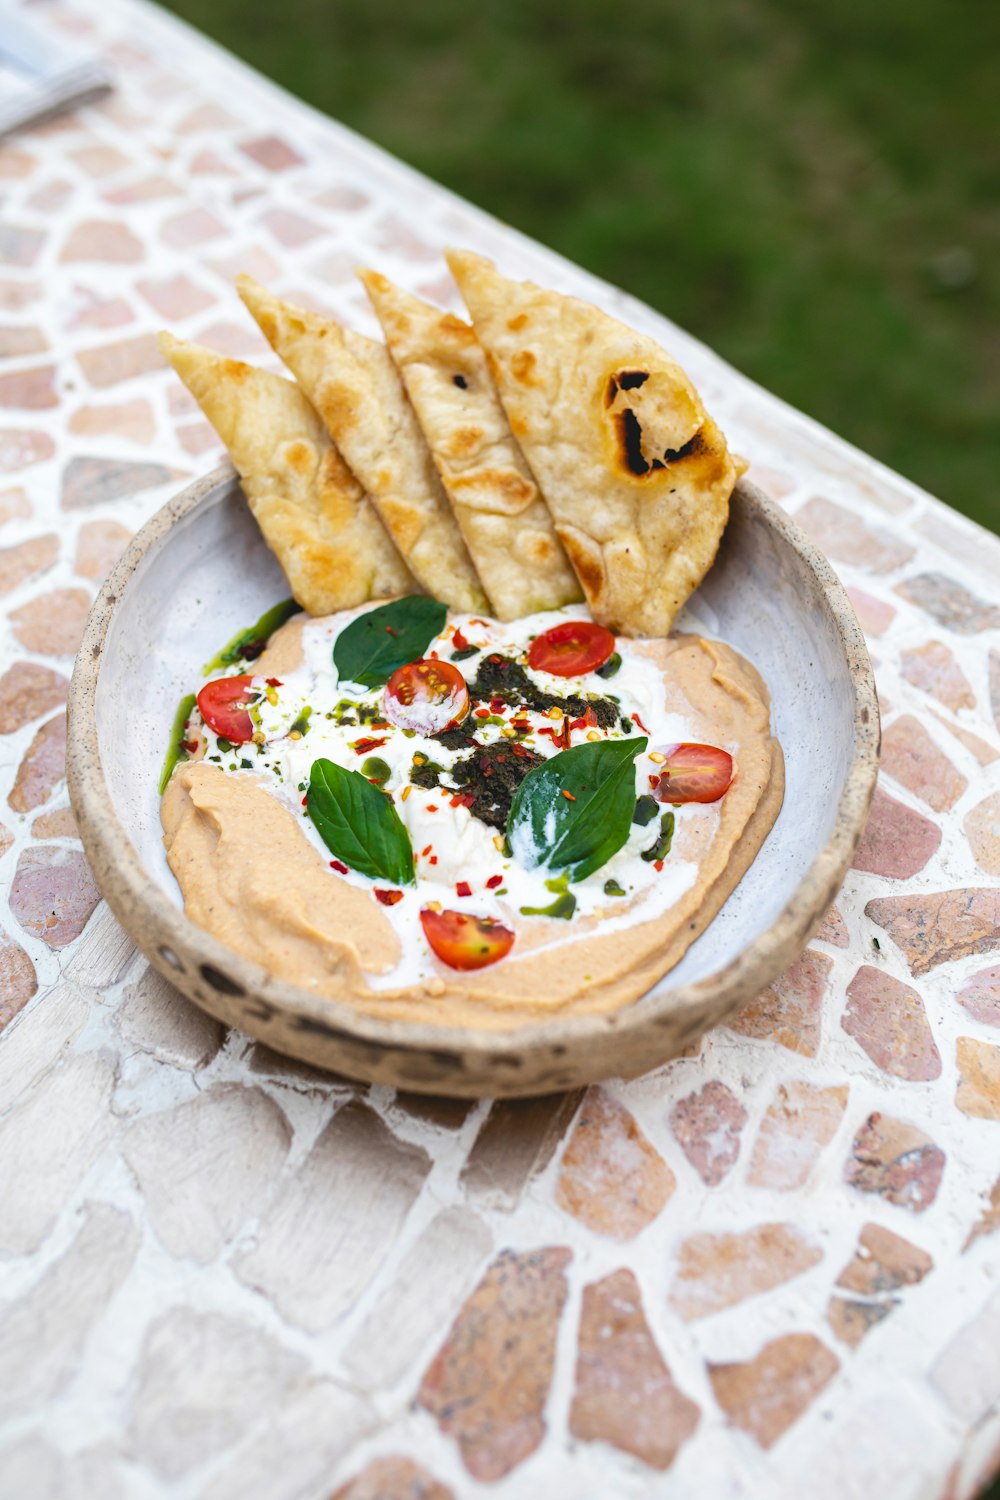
[359, 824]
[250, 643]
[370, 649]
[578, 833]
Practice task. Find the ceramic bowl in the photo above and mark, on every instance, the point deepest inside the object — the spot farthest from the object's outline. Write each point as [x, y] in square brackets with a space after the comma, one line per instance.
[199, 571]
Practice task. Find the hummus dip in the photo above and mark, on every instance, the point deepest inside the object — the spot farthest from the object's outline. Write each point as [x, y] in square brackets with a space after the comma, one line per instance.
[255, 871]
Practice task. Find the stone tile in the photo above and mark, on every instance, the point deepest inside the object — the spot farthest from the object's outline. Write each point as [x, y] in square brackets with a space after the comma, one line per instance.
[41, 1161]
[98, 481]
[422, 1298]
[20, 339]
[209, 163]
[396, 234]
[271, 152]
[52, 624]
[289, 228]
[950, 603]
[126, 419]
[206, 1166]
[833, 929]
[332, 1224]
[715, 1271]
[984, 753]
[195, 226]
[43, 1332]
[157, 1019]
[280, 1068]
[100, 161]
[875, 615]
[14, 505]
[911, 757]
[53, 894]
[515, 1142]
[111, 364]
[935, 928]
[341, 198]
[978, 1091]
[27, 560]
[851, 1320]
[202, 1381]
[104, 955]
[767, 1394]
[16, 295]
[707, 1125]
[206, 119]
[448, 1114]
[980, 996]
[148, 189]
[982, 829]
[888, 1020]
[897, 1161]
[393, 1478]
[105, 241]
[175, 297]
[91, 310]
[489, 1383]
[790, 1011]
[846, 538]
[995, 686]
[235, 340]
[42, 768]
[933, 669]
[18, 981]
[197, 438]
[611, 1178]
[294, 1448]
[624, 1394]
[99, 545]
[897, 842]
[29, 390]
[16, 164]
[970, 544]
[57, 824]
[966, 1374]
[255, 260]
[800, 1122]
[883, 1262]
[20, 448]
[39, 1041]
[19, 245]
[989, 1220]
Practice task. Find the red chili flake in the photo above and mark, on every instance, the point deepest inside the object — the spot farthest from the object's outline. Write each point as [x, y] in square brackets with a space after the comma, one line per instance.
[546, 730]
[388, 898]
[487, 770]
[654, 782]
[498, 661]
[381, 724]
[578, 724]
[390, 631]
[432, 807]
[568, 795]
[433, 859]
[520, 751]
[657, 865]
[463, 799]
[424, 852]
[336, 864]
[590, 718]
[274, 682]
[482, 713]
[189, 745]
[458, 641]
[305, 801]
[433, 655]
[497, 705]
[637, 720]
[494, 881]
[522, 724]
[463, 888]
[362, 746]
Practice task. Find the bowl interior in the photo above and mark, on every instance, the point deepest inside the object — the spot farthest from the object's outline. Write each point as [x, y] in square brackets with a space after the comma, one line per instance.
[210, 575]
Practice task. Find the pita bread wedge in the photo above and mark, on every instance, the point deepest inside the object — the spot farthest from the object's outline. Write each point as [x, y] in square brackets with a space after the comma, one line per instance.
[352, 382]
[636, 474]
[314, 515]
[504, 520]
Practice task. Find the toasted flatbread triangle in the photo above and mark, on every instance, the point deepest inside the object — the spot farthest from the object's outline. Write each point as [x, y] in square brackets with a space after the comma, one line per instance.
[503, 518]
[634, 471]
[353, 384]
[313, 514]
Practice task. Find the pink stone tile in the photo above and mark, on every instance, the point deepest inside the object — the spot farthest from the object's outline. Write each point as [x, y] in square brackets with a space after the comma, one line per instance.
[715, 1271]
[847, 539]
[29, 390]
[105, 241]
[896, 1161]
[100, 161]
[888, 1020]
[52, 624]
[984, 753]
[932, 929]
[789, 1011]
[950, 603]
[884, 1262]
[26, 692]
[874, 614]
[20, 245]
[851, 1320]
[17, 340]
[897, 841]
[339, 268]
[20, 447]
[393, 1477]
[341, 199]
[209, 163]
[16, 164]
[251, 260]
[195, 226]
[15, 295]
[766, 1395]
[833, 929]
[110, 364]
[611, 1178]
[17, 564]
[980, 996]
[775, 482]
[982, 829]
[99, 545]
[911, 757]
[148, 189]
[989, 1220]
[933, 669]
[236, 340]
[978, 1092]
[91, 310]
[197, 438]
[206, 119]
[271, 152]
[126, 419]
[14, 505]
[52, 197]
[400, 237]
[18, 981]
[53, 895]
[175, 297]
[42, 768]
[800, 1121]
[707, 1125]
[96, 481]
[57, 824]
[289, 228]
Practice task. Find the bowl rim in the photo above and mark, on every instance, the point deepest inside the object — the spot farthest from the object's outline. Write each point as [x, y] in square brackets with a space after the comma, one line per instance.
[138, 901]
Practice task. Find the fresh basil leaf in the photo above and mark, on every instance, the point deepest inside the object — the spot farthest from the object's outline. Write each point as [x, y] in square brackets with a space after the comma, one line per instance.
[359, 824]
[249, 643]
[579, 832]
[370, 649]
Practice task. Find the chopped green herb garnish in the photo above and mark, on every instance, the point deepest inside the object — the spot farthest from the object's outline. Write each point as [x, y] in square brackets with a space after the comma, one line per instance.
[224, 745]
[246, 765]
[301, 725]
[645, 810]
[611, 666]
[466, 652]
[376, 769]
[612, 888]
[661, 848]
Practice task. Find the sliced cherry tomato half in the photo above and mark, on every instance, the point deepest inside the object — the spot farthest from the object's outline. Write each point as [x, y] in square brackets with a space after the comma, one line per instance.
[694, 773]
[224, 707]
[466, 942]
[426, 695]
[571, 648]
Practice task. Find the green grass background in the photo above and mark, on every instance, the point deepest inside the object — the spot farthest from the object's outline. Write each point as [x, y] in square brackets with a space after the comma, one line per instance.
[813, 188]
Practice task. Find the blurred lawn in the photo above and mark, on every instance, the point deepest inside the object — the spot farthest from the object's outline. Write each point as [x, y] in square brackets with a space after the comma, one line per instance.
[811, 188]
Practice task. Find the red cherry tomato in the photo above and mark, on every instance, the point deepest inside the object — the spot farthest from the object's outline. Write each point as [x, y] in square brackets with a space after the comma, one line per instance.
[465, 942]
[223, 705]
[694, 773]
[426, 695]
[572, 648]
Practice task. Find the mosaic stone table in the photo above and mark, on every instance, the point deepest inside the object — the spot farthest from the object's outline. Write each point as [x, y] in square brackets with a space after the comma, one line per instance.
[768, 1268]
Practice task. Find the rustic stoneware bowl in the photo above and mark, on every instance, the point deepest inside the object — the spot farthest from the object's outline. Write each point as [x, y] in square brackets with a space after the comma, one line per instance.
[199, 571]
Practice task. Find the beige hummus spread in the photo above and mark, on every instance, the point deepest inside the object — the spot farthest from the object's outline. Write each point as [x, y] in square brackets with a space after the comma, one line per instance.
[255, 873]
